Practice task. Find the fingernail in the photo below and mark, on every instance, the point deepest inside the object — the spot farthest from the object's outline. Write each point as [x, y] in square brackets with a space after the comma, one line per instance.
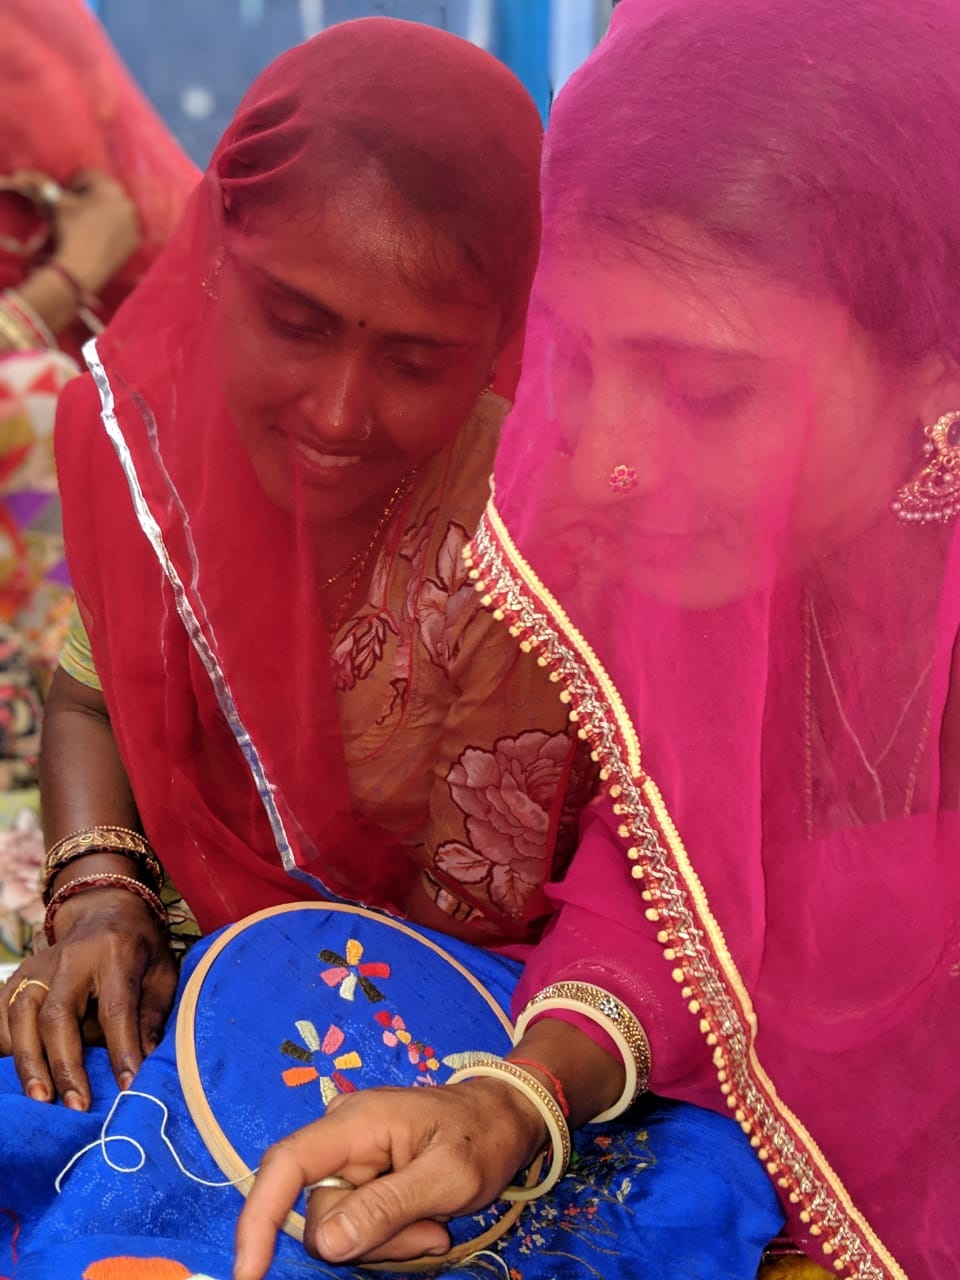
[126, 1079]
[73, 1100]
[337, 1237]
[37, 1090]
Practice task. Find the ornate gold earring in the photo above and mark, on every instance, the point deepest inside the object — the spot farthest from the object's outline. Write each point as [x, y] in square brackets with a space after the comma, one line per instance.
[933, 496]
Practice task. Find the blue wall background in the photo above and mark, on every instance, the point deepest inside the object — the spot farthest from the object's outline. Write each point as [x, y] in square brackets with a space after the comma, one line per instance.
[195, 58]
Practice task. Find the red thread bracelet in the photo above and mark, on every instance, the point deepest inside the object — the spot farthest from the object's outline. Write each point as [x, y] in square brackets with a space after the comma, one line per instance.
[105, 880]
[557, 1086]
[69, 279]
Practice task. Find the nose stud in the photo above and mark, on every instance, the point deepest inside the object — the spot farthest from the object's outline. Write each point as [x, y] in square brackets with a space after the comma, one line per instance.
[622, 479]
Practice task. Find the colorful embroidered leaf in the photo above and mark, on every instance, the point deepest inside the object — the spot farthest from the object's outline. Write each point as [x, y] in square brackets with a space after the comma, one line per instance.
[385, 1018]
[354, 951]
[295, 1051]
[348, 1060]
[309, 1033]
[332, 1040]
[333, 977]
[331, 957]
[375, 969]
[294, 1076]
[328, 1090]
[468, 1059]
[343, 1084]
[372, 993]
[348, 988]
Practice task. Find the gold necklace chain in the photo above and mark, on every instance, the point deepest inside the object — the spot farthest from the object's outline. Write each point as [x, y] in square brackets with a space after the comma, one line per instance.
[361, 558]
[399, 492]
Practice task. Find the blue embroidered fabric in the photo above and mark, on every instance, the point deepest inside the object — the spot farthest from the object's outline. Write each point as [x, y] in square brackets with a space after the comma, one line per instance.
[301, 1005]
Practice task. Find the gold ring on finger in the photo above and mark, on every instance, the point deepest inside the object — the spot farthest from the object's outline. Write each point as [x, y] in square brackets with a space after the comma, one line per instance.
[22, 986]
[332, 1181]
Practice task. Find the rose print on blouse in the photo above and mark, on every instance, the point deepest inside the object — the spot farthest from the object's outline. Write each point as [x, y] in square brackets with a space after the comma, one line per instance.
[507, 796]
[445, 599]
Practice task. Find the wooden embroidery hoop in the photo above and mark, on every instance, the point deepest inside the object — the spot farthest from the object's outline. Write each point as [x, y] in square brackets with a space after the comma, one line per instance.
[219, 1145]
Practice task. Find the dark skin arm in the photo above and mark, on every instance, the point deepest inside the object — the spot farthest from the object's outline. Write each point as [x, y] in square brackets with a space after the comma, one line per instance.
[109, 948]
[418, 1156]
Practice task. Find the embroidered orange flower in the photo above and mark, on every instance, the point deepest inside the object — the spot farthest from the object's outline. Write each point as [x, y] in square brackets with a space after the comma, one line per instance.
[350, 971]
[331, 1082]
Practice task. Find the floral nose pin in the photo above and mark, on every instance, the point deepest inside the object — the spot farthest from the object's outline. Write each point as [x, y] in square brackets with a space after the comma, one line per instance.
[623, 479]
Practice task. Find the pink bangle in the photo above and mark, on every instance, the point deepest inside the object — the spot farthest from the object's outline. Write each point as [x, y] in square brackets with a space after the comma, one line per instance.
[106, 880]
[554, 1081]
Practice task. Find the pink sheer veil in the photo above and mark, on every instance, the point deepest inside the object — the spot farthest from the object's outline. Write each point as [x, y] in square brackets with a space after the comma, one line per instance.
[745, 313]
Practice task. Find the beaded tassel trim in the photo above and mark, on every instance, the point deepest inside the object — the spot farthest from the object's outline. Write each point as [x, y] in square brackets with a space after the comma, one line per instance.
[692, 942]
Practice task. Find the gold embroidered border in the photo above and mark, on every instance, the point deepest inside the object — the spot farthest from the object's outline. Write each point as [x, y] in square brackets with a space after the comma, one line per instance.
[693, 942]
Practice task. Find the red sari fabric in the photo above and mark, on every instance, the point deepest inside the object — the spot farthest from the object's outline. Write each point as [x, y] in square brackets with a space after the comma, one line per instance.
[68, 103]
[200, 597]
[761, 653]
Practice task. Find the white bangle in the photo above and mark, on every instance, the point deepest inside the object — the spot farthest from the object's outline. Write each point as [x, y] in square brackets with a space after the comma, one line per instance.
[613, 1017]
[546, 1104]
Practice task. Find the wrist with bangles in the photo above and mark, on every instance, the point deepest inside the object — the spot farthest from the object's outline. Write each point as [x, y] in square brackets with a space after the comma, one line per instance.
[103, 839]
[613, 1017]
[21, 326]
[555, 1122]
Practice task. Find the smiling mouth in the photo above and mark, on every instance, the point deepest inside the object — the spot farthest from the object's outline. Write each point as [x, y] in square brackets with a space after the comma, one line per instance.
[318, 459]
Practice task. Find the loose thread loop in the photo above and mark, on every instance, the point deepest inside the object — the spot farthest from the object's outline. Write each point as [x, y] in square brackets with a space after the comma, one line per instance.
[106, 1137]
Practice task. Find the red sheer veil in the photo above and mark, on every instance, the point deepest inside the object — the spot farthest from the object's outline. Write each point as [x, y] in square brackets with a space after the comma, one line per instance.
[747, 308]
[67, 103]
[202, 597]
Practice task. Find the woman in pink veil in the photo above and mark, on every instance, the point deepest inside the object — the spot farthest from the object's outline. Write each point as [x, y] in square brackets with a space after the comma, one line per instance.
[725, 520]
[738, 552]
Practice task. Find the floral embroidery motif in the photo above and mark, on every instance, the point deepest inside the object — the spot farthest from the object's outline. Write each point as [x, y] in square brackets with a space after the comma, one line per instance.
[507, 795]
[350, 971]
[422, 1056]
[330, 1084]
[600, 1178]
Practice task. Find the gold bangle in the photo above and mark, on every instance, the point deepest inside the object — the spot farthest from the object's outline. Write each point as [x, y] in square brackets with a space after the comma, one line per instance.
[612, 1016]
[102, 839]
[546, 1104]
[16, 334]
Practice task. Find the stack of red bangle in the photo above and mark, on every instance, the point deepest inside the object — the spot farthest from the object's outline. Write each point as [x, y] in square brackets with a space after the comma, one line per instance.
[104, 880]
